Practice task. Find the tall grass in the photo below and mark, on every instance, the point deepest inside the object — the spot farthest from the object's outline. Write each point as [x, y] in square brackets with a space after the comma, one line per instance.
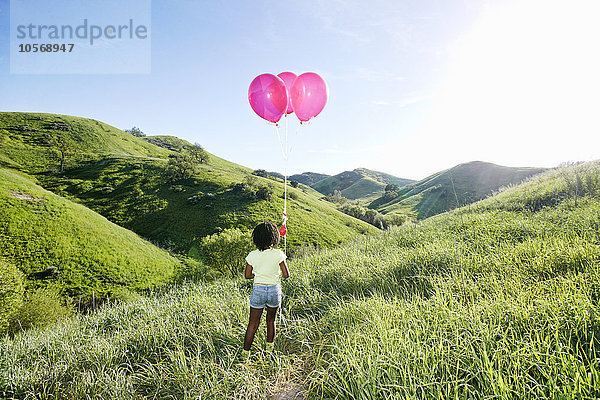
[491, 301]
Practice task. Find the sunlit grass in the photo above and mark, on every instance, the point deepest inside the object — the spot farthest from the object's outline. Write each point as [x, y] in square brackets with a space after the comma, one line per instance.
[491, 301]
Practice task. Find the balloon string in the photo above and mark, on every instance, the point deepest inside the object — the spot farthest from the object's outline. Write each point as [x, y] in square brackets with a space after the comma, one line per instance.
[287, 151]
[285, 169]
[295, 136]
[284, 152]
[285, 165]
[280, 143]
[285, 206]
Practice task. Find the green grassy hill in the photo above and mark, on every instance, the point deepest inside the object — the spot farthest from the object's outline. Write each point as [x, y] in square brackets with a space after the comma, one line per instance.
[308, 178]
[464, 183]
[32, 141]
[359, 184]
[58, 243]
[135, 194]
[124, 178]
[495, 300]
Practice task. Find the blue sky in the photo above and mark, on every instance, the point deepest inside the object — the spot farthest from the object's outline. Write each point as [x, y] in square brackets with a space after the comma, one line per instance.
[415, 87]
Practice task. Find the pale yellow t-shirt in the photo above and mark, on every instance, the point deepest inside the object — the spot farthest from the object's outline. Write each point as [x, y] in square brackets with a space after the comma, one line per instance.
[265, 265]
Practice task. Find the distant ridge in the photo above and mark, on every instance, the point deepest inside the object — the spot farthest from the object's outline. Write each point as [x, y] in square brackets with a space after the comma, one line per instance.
[308, 178]
[465, 183]
[360, 183]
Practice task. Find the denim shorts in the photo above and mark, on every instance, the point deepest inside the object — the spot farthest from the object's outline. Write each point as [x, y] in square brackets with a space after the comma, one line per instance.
[265, 295]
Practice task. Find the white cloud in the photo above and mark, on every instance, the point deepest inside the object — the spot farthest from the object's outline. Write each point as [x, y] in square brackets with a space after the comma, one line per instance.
[413, 100]
[405, 102]
[381, 103]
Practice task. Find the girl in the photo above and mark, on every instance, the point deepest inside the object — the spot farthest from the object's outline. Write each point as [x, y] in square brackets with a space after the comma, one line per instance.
[265, 265]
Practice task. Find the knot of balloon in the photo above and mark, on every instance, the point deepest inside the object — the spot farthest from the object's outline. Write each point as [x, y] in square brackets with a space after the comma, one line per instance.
[283, 229]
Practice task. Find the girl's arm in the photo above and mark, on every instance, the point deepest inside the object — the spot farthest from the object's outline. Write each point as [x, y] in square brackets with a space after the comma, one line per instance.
[284, 270]
[248, 273]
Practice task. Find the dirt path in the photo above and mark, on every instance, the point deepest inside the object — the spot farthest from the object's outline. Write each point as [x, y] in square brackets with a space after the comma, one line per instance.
[291, 392]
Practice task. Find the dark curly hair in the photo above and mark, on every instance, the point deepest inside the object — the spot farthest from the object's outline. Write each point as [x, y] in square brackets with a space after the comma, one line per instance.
[264, 235]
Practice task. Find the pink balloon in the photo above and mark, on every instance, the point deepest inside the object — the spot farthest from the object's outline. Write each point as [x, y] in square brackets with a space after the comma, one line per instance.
[288, 79]
[308, 95]
[268, 97]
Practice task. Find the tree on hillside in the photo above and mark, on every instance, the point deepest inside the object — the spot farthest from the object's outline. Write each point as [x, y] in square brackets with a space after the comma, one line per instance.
[180, 166]
[391, 192]
[185, 164]
[391, 187]
[261, 172]
[198, 154]
[135, 131]
[61, 148]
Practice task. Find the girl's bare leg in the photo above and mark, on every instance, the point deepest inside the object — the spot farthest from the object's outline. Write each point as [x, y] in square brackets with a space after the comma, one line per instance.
[271, 314]
[253, 323]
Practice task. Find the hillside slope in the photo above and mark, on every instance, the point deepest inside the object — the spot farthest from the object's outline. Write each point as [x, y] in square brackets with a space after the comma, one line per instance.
[440, 192]
[125, 179]
[134, 193]
[358, 184]
[495, 300]
[34, 141]
[56, 242]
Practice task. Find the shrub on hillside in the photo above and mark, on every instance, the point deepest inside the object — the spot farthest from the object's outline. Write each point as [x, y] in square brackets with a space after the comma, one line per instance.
[41, 308]
[85, 186]
[391, 187]
[264, 192]
[244, 190]
[197, 153]
[11, 293]
[368, 215]
[135, 131]
[378, 220]
[395, 220]
[252, 189]
[260, 172]
[266, 174]
[180, 166]
[226, 251]
[388, 196]
[275, 175]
